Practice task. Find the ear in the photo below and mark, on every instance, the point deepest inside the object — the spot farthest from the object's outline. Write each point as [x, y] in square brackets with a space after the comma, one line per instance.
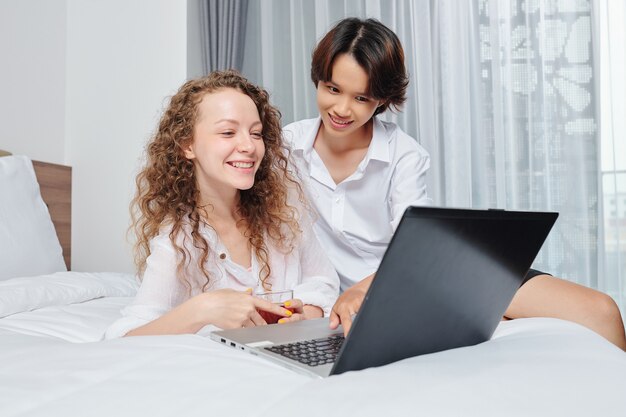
[188, 151]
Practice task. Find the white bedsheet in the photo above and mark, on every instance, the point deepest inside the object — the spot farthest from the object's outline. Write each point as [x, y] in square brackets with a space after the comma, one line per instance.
[52, 363]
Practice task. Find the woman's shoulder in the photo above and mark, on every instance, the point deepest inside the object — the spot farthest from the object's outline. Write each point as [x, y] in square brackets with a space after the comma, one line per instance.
[303, 124]
[183, 233]
[401, 141]
[295, 130]
[162, 238]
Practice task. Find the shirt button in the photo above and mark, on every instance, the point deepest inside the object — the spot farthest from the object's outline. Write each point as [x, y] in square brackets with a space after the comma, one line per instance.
[337, 200]
[222, 256]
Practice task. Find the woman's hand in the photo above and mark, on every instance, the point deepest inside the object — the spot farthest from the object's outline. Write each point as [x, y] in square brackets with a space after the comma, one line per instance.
[230, 309]
[301, 311]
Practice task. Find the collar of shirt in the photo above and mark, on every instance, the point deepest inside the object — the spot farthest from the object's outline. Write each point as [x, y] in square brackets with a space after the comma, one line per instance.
[378, 150]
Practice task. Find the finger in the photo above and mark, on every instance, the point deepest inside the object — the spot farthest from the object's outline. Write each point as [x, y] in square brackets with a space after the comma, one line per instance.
[294, 317]
[296, 305]
[346, 327]
[271, 307]
[345, 316]
[334, 320]
[248, 323]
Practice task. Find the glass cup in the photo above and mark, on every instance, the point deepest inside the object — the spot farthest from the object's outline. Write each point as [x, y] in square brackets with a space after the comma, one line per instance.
[276, 297]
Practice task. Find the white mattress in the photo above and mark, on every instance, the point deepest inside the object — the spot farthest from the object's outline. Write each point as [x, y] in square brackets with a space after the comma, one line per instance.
[52, 363]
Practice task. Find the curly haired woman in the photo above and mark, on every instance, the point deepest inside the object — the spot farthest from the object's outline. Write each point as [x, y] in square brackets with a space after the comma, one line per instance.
[218, 213]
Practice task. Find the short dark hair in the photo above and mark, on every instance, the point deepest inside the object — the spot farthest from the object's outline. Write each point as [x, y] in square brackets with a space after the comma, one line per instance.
[375, 48]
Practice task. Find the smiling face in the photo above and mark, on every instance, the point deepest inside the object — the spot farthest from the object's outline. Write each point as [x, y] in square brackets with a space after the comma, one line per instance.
[227, 146]
[343, 102]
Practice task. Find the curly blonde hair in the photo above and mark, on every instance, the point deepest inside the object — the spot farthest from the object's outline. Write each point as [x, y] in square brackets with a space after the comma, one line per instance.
[166, 191]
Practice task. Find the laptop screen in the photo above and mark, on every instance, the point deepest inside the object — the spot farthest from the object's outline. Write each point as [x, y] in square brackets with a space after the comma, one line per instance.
[445, 281]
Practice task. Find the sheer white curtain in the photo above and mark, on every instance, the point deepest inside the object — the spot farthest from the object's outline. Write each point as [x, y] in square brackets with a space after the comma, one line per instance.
[610, 22]
[281, 35]
[504, 95]
[541, 124]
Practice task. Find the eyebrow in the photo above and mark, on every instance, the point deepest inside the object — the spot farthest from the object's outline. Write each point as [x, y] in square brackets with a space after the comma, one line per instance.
[236, 122]
[227, 120]
[337, 85]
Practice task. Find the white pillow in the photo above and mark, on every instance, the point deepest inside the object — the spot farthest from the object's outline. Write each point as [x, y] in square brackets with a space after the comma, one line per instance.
[28, 242]
[62, 288]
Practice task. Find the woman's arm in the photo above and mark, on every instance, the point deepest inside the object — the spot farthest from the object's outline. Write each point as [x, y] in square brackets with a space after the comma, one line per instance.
[224, 308]
[408, 184]
[163, 304]
[319, 282]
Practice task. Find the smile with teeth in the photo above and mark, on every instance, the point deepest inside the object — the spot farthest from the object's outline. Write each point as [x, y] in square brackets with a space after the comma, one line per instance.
[239, 164]
[339, 121]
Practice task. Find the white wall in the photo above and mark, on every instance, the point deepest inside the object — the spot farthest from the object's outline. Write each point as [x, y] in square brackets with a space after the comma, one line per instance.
[32, 78]
[123, 58]
[83, 82]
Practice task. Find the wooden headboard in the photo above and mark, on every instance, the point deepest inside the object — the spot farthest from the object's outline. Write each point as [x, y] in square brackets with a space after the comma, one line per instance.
[55, 182]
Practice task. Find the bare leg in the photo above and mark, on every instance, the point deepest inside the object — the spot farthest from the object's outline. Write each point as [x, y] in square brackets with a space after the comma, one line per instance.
[547, 296]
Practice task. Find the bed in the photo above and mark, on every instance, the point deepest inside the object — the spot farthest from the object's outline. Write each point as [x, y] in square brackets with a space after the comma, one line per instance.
[54, 363]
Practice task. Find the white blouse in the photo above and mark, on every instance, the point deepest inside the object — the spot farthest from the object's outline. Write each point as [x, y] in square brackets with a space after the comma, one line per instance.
[306, 270]
[358, 216]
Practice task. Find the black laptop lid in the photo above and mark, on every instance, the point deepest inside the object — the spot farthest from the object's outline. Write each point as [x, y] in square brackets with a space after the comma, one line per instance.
[445, 281]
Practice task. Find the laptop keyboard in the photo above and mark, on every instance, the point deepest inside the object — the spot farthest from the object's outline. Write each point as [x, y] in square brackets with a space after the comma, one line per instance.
[311, 352]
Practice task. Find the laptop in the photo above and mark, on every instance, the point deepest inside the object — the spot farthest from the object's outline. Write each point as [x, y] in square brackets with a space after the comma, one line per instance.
[445, 281]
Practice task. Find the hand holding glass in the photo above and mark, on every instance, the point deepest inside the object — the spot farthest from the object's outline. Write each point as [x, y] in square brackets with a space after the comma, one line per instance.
[276, 297]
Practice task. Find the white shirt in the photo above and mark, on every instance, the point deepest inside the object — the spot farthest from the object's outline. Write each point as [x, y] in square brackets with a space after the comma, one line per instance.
[306, 270]
[358, 216]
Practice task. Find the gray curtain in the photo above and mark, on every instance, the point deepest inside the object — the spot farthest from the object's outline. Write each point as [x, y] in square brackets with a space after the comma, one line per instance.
[223, 33]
